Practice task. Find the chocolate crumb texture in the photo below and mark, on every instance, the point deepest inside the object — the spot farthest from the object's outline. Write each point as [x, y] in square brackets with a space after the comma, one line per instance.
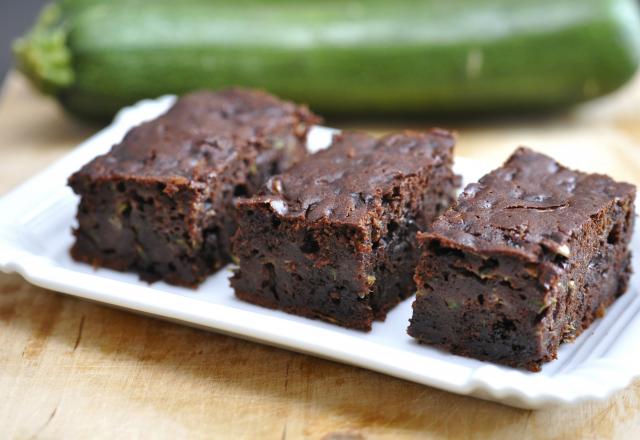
[526, 259]
[160, 203]
[334, 238]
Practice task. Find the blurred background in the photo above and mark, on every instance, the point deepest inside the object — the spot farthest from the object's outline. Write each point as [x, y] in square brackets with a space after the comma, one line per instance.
[345, 59]
[558, 75]
[16, 16]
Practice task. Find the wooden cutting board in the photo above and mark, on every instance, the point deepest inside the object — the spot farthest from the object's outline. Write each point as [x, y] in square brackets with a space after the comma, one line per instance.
[74, 369]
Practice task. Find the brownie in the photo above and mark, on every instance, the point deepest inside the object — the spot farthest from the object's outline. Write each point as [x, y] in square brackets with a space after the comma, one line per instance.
[526, 259]
[334, 237]
[160, 202]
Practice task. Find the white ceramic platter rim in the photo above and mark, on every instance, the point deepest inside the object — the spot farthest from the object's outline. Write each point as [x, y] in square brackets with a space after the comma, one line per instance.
[35, 235]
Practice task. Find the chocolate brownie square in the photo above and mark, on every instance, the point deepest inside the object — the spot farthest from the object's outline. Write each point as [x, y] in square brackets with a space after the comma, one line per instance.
[160, 202]
[527, 259]
[333, 238]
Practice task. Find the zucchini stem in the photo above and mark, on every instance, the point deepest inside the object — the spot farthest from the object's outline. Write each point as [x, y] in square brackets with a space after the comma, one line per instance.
[42, 54]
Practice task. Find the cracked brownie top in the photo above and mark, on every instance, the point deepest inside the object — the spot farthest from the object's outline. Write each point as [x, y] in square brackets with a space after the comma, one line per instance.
[197, 138]
[357, 175]
[527, 207]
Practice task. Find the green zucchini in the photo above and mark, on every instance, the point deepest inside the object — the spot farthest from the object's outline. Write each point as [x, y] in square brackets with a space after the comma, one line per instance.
[341, 57]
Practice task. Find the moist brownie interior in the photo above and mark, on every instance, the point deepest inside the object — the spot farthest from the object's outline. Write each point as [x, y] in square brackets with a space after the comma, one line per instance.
[527, 259]
[334, 237]
[160, 202]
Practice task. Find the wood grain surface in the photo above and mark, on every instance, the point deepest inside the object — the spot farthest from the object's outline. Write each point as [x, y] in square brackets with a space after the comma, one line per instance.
[75, 369]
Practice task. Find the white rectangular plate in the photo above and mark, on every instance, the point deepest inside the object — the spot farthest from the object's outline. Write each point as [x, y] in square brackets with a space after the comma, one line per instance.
[35, 235]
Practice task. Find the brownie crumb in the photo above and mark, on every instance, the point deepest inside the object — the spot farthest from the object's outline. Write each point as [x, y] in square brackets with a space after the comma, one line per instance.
[334, 238]
[160, 203]
[526, 259]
